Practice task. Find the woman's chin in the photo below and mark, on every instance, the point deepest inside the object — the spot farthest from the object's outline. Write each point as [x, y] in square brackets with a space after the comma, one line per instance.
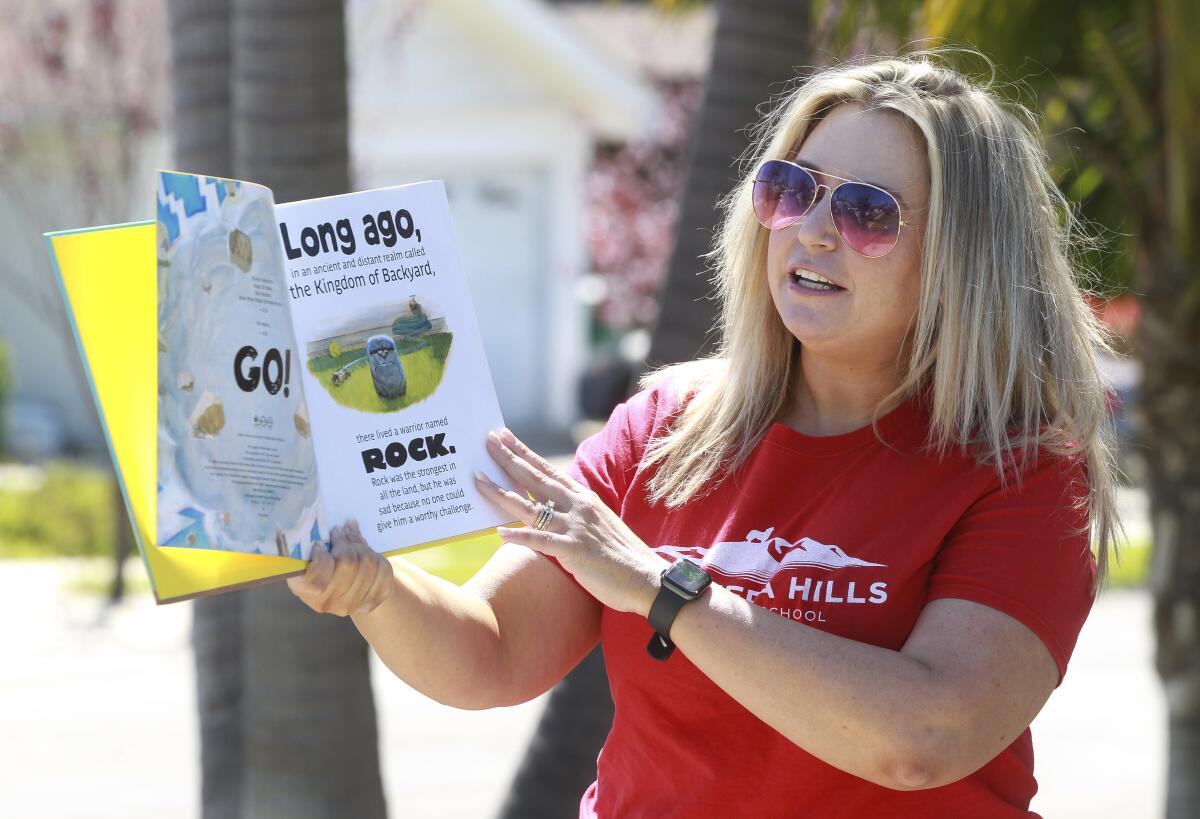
[813, 332]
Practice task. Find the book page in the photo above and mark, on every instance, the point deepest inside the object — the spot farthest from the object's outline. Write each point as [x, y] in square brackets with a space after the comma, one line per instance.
[399, 393]
[236, 466]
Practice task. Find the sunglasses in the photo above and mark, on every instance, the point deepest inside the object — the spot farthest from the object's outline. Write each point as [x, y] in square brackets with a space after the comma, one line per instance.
[865, 216]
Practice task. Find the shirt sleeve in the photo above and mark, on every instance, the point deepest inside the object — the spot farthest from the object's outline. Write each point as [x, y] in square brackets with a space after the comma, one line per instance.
[606, 461]
[1024, 549]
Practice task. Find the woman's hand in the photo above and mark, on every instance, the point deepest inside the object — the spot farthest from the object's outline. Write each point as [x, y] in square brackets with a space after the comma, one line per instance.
[587, 538]
[349, 578]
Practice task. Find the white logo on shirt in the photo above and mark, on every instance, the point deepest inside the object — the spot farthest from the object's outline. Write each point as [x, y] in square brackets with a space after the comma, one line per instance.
[760, 556]
[747, 567]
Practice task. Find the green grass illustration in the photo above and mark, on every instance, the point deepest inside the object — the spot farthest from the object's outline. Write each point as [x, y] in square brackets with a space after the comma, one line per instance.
[423, 362]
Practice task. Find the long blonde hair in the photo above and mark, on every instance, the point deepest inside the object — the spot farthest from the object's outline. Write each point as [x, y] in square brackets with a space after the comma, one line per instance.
[1008, 369]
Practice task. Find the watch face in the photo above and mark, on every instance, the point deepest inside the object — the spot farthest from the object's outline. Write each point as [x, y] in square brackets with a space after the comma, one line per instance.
[688, 577]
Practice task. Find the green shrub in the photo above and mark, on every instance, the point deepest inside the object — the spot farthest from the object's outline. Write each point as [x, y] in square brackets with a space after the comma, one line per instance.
[69, 511]
[1133, 570]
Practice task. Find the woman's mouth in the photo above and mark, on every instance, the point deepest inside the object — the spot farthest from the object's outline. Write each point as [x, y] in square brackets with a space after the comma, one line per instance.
[813, 282]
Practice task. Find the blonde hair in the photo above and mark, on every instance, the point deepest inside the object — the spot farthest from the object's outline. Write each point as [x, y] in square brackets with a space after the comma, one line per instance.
[1009, 371]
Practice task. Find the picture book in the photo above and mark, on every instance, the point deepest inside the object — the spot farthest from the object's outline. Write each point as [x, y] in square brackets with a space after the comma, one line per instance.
[264, 372]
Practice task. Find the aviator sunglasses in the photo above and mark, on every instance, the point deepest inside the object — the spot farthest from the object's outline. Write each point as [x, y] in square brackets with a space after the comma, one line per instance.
[866, 216]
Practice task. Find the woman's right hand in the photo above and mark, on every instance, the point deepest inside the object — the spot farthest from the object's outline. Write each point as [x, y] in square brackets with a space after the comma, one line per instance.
[350, 578]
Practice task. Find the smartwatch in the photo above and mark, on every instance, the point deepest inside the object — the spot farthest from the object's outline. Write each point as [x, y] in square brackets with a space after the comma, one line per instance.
[681, 582]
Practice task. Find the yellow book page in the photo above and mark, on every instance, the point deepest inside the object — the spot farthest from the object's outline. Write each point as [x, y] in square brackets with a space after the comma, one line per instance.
[113, 309]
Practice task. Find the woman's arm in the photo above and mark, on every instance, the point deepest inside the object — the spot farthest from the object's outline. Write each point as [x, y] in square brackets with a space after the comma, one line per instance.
[966, 683]
[506, 636]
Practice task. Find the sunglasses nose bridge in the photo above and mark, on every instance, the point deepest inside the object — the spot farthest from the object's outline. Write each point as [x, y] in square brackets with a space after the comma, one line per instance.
[819, 197]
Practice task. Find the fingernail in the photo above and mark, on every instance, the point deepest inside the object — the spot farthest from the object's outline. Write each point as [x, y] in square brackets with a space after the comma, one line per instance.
[507, 436]
[479, 476]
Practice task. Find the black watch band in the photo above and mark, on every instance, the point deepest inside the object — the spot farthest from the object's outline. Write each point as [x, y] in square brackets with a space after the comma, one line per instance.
[680, 583]
[662, 614]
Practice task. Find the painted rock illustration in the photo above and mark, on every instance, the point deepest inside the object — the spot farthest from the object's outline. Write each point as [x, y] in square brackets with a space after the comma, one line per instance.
[386, 371]
[300, 419]
[240, 252]
[208, 418]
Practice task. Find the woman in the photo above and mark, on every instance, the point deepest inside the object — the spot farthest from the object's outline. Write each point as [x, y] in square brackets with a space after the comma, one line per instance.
[889, 472]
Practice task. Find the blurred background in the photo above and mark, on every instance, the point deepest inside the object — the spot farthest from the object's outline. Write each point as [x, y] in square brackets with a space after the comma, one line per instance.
[583, 145]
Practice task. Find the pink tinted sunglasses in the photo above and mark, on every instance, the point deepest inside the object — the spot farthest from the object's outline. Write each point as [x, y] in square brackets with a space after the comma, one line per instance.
[866, 216]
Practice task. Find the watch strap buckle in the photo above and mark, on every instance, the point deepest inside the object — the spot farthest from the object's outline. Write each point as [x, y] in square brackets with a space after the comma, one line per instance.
[660, 648]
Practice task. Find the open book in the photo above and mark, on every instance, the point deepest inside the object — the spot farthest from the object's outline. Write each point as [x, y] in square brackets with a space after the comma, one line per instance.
[302, 364]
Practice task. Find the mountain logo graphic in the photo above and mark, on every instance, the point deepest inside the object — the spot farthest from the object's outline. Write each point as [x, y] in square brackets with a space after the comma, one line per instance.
[761, 555]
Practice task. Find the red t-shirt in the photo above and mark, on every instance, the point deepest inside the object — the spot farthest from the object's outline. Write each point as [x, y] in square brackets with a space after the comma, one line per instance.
[843, 534]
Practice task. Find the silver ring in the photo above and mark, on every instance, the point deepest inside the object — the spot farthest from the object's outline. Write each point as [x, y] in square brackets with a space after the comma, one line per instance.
[545, 514]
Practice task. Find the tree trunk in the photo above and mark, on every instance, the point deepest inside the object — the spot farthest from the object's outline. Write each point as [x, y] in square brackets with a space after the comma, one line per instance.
[200, 92]
[757, 49]
[757, 46]
[287, 718]
[560, 762]
[1170, 394]
[122, 543]
[200, 85]
[290, 123]
[1168, 274]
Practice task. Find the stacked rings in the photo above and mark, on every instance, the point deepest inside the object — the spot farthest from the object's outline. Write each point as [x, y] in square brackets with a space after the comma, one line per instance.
[545, 514]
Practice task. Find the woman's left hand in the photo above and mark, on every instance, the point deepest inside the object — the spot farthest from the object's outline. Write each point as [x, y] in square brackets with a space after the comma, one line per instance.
[587, 538]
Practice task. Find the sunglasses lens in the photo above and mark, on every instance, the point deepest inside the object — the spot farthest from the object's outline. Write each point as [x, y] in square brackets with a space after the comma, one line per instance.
[783, 193]
[867, 218]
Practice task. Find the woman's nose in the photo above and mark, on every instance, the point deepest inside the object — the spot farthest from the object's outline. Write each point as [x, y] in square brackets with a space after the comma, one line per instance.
[816, 228]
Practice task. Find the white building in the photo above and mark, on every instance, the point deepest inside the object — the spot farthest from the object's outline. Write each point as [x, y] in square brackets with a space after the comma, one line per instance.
[504, 100]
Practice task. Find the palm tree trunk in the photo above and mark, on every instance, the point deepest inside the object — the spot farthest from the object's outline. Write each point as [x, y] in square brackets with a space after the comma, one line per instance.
[200, 85]
[1170, 395]
[560, 762]
[122, 544]
[290, 123]
[757, 46]
[287, 718]
[1168, 271]
[200, 89]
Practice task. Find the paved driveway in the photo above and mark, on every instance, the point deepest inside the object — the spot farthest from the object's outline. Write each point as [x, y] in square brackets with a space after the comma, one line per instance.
[97, 719]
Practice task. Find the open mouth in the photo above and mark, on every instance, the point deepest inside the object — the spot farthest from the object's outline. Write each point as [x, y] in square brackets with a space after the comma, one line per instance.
[809, 280]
